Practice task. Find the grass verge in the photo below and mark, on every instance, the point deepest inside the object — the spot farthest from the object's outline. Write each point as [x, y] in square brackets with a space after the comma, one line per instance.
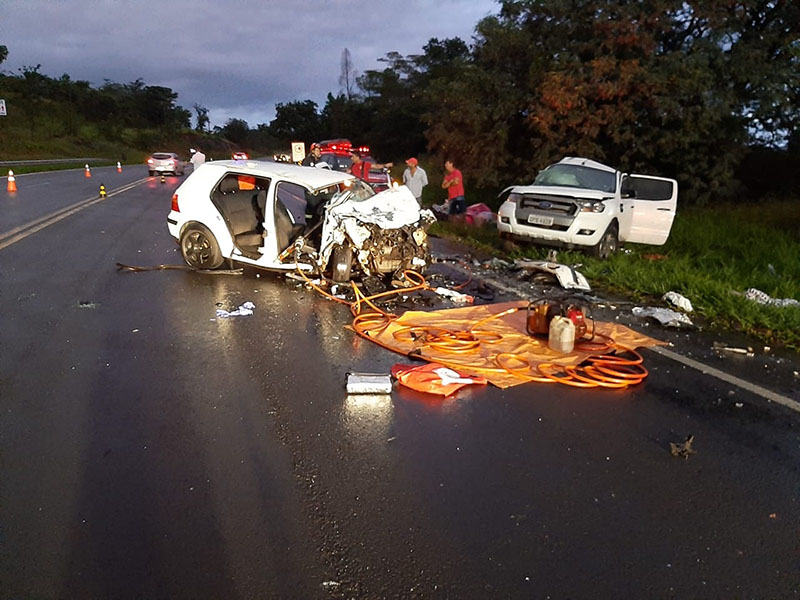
[713, 256]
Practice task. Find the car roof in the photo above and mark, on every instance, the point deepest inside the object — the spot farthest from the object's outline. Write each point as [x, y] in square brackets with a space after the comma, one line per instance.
[585, 162]
[312, 177]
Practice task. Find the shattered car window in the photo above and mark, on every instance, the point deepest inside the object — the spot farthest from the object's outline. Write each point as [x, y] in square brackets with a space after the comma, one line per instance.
[578, 177]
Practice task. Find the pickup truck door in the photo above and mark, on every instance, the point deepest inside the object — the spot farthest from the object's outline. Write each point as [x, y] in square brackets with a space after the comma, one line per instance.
[647, 208]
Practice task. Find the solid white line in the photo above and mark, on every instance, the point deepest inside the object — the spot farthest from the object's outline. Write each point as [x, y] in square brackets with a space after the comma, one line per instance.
[703, 368]
[20, 233]
[732, 379]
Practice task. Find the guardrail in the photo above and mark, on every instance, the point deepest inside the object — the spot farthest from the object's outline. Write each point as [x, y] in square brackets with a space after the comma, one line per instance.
[49, 161]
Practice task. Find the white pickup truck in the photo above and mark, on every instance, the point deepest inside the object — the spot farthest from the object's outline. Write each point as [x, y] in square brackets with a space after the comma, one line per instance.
[580, 203]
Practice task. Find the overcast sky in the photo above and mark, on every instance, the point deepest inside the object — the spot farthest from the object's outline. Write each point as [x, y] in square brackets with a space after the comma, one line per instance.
[238, 58]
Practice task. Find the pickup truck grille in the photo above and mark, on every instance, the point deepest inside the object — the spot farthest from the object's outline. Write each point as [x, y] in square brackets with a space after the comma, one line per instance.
[554, 205]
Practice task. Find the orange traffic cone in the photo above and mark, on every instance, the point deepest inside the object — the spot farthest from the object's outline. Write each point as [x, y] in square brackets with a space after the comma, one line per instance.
[87, 172]
[12, 182]
[119, 167]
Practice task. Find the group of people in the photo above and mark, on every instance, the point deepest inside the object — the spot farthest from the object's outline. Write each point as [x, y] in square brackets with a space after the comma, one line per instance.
[414, 177]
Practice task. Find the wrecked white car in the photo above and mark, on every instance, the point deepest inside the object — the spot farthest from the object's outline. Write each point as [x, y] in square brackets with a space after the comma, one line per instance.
[580, 203]
[283, 217]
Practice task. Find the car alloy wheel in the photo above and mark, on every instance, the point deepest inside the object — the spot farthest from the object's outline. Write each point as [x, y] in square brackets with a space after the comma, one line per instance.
[200, 249]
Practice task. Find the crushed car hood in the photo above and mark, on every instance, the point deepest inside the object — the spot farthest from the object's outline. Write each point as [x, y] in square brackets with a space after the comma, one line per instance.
[391, 209]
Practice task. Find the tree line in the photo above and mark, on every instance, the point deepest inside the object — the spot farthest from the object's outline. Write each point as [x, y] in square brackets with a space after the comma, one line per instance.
[681, 88]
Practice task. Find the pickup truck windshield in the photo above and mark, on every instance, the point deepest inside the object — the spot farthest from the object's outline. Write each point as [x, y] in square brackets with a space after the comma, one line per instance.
[576, 176]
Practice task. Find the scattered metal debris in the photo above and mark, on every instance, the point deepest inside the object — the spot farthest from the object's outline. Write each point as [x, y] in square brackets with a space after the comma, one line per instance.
[245, 310]
[723, 347]
[665, 316]
[88, 304]
[678, 300]
[763, 298]
[566, 275]
[136, 269]
[683, 450]
[368, 383]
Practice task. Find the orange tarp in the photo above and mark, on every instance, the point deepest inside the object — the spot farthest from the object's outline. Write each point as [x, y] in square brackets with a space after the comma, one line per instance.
[504, 334]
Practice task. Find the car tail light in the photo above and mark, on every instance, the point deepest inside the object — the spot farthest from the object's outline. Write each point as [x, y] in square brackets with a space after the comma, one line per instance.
[149, 161]
[175, 206]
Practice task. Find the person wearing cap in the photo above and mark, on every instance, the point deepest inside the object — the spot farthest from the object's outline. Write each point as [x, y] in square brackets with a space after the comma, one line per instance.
[360, 168]
[313, 157]
[454, 184]
[415, 178]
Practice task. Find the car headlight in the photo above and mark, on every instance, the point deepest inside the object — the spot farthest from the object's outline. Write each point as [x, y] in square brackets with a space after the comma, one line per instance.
[591, 206]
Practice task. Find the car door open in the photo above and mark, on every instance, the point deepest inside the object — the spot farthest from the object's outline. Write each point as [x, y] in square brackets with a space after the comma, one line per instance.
[651, 203]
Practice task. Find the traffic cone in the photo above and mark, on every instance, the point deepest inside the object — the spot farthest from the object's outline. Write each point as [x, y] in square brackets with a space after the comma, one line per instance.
[87, 172]
[12, 182]
[119, 167]
[102, 191]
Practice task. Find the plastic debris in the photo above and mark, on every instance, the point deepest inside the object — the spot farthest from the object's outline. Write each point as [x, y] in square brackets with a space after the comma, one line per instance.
[454, 296]
[368, 383]
[434, 378]
[245, 310]
[763, 298]
[665, 316]
[678, 300]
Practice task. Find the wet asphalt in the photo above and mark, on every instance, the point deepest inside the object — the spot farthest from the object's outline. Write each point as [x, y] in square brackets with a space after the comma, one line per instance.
[152, 450]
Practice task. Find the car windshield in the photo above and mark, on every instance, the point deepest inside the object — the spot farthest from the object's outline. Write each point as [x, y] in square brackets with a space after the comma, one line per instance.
[577, 176]
[357, 191]
[161, 156]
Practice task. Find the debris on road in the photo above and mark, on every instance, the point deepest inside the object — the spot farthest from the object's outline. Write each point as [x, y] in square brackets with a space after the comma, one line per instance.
[88, 304]
[683, 450]
[763, 298]
[665, 316]
[368, 383]
[434, 378]
[678, 300]
[457, 297]
[722, 347]
[566, 275]
[244, 310]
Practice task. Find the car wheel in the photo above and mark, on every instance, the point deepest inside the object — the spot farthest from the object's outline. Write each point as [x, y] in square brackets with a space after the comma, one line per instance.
[608, 244]
[341, 263]
[151, 173]
[199, 248]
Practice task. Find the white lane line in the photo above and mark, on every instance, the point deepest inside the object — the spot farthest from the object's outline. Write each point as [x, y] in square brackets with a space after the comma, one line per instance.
[732, 379]
[703, 368]
[20, 233]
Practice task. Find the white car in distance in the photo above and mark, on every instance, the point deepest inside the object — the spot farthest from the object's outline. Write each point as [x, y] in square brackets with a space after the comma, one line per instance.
[283, 217]
[580, 203]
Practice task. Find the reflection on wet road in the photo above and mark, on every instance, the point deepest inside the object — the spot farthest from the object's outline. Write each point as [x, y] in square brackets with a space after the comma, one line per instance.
[151, 449]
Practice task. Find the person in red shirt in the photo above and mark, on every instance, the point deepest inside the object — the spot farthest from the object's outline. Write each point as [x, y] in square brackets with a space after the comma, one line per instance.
[454, 184]
[360, 168]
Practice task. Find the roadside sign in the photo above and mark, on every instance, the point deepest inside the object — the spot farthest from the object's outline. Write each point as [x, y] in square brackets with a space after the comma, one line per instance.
[298, 151]
[2, 107]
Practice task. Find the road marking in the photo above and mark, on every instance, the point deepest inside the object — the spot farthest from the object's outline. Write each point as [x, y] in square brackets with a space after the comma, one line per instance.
[689, 362]
[20, 233]
[732, 379]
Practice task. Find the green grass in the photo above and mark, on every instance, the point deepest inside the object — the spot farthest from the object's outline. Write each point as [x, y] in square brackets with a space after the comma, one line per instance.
[713, 255]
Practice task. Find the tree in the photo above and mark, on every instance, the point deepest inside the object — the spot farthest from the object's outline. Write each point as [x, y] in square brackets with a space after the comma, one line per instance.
[296, 121]
[236, 131]
[3, 54]
[201, 114]
[348, 76]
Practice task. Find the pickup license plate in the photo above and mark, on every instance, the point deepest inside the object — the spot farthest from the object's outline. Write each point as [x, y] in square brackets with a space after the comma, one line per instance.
[537, 220]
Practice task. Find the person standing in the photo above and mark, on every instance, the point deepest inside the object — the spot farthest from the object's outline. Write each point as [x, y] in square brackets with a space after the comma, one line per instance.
[360, 168]
[313, 157]
[198, 158]
[454, 184]
[415, 178]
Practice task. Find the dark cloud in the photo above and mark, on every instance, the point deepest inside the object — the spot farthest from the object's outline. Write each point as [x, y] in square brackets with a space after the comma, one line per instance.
[237, 58]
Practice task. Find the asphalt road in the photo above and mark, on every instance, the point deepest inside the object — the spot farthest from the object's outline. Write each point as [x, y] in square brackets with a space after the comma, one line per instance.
[151, 450]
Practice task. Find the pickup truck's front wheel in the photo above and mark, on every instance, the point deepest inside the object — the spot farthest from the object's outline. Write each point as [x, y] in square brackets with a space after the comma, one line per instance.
[608, 244]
